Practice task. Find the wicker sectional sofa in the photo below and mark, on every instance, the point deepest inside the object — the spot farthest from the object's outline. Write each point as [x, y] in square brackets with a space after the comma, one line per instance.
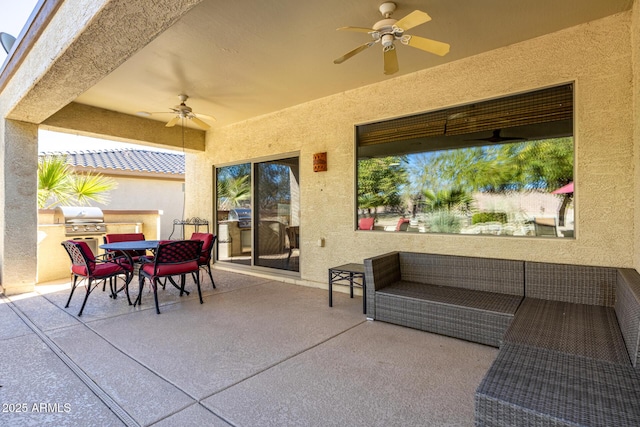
[569, 358]
[569, 350]
[474, 299]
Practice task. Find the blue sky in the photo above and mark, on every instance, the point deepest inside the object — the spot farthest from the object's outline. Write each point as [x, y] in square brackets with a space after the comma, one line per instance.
[13, 16]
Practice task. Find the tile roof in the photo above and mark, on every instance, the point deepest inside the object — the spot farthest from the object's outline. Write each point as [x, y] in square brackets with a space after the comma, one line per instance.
[126, 159]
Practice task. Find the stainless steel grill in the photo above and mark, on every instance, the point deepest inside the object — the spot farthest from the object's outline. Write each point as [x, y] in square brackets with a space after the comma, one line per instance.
[80, 221]
[242, 215]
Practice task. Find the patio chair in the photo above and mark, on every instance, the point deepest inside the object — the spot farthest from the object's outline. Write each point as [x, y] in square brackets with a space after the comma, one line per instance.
[208, 240]
[366, 223]
[293, 234]
[94, 268]
[126, 237]
[403, 224]
[175, 258]
[546, 227]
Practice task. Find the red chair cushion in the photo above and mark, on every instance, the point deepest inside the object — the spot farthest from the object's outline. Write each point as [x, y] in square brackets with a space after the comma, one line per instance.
[124, 237]
[366, 223]
[86, 250]
[170, 269]
[100, 270]
[207, 239]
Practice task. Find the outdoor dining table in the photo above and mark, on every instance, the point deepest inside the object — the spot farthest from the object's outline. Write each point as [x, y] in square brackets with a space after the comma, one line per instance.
[125, 247]
[131, 245]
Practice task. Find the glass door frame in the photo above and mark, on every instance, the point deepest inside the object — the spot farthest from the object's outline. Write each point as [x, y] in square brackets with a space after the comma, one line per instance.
[252, 162]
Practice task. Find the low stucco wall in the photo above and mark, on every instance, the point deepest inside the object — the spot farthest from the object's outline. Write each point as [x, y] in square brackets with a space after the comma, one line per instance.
[596, 56]
[52, 260]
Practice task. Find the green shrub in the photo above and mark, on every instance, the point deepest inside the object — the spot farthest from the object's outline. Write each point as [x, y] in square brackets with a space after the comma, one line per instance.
[444, 221]
[481, 217]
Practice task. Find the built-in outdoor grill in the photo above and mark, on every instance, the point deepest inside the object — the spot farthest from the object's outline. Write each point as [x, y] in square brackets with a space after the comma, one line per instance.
[80, 220]
[242, 215]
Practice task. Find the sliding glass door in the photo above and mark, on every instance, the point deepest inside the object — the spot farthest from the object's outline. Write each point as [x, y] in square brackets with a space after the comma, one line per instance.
[277, 214]
[258, 208]
[233, 187]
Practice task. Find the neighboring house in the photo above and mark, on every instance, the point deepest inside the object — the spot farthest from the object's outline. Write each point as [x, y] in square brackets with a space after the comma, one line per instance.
[147, 180]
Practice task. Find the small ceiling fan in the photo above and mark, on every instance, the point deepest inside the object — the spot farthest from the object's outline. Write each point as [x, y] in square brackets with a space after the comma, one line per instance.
[496, 137]
[388, 30]
[181, 111]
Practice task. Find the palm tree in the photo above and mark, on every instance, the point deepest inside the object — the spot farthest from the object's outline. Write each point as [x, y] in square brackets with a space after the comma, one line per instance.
[58, 184]
[232, 191]
[448, 199]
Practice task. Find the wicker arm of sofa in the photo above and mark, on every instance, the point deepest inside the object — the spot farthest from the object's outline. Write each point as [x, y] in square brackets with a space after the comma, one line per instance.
[380, 271]
[627, 309]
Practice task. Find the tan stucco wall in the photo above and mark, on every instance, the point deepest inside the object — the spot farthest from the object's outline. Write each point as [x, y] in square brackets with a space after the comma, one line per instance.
[597, 56]
[635, 49]
[18, 187]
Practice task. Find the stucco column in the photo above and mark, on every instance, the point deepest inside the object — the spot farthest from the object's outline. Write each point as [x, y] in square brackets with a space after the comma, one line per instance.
[18, 200]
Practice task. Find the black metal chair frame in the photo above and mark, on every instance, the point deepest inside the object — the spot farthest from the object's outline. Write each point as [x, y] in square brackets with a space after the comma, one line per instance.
[207, 265]
[172, 253]
[78, 257]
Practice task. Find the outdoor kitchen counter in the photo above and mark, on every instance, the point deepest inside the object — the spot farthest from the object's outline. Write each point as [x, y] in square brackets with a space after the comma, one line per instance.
[53, 261]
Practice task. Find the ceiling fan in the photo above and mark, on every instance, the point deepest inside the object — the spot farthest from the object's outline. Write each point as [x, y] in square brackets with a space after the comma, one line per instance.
[388, 30]
[181, 111]
[496, 138]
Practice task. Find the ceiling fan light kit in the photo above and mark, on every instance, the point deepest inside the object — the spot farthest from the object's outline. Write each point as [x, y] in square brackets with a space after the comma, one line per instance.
[388, 30]
[181, 112]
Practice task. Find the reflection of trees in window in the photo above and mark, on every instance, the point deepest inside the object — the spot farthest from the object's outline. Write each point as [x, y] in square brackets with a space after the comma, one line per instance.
[441, 184]
[381, 181]
[274, 185]
[234, 186]
[523, 166]
[539, 165]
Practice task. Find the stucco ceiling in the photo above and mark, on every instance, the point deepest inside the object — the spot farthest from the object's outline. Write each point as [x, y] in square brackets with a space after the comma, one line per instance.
[240, 59]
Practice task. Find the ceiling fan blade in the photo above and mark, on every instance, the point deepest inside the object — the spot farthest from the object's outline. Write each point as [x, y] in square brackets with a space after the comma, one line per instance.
[204, 116]
[390, 61]
[353, 52]
[200, 123]
[497, 138]
[173, 122]
[415, 18]
[358, 29]
[151, 113]
[428, 45]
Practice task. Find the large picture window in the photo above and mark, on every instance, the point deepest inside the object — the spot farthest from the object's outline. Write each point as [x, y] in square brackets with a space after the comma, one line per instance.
[501, 167]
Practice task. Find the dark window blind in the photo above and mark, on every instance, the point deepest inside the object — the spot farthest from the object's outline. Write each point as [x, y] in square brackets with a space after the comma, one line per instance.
[540, 106]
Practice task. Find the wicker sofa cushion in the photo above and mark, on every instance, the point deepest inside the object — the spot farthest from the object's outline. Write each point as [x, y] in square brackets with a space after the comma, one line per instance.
[479, 300]
[476, 316]
[580, 284]
[482, 274]
[586, 330]
[534, 386]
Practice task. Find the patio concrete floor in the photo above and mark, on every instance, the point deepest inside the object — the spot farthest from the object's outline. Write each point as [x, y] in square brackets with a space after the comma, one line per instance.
[258, 352]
